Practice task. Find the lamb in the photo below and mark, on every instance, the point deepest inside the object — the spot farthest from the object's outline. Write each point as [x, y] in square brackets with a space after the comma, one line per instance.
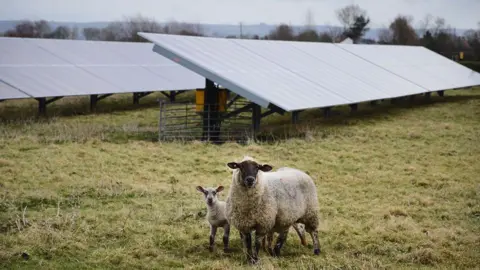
[266, 202]
[216, 215]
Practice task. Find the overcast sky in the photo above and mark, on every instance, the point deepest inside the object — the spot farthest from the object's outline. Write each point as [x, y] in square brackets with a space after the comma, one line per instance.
[458, 13]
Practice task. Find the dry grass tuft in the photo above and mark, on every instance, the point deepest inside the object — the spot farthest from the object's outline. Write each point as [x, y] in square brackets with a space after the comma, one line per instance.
[397, 185]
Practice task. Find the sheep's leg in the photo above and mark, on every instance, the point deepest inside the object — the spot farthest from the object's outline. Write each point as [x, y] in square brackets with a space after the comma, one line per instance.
[316, 243]
[282, 237]
[247, 243]
[269, 238]
[226, 235]
[213, 232]
[259, 236]
[301, 233]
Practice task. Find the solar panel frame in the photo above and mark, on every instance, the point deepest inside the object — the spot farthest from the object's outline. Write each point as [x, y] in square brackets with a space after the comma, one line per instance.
[51, 68]
[270, 72]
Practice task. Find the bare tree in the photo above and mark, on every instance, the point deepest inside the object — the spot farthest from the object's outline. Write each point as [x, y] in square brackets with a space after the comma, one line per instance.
[43, 28]
[29, 29]
[348, 14]
[127, 29]
[335, 33]
[354, 21]
[425, 24]
[402, 31]
[91, 33]
[385, 36]
[182, 28]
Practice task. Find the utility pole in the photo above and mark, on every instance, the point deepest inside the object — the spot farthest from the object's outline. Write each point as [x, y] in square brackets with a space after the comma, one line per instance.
[241, 30]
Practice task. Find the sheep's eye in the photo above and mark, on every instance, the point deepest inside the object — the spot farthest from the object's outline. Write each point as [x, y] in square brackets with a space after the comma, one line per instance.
[214, 193]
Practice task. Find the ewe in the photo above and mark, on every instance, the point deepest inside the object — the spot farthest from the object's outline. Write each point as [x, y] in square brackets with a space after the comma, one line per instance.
[266, 202]
[216, 215]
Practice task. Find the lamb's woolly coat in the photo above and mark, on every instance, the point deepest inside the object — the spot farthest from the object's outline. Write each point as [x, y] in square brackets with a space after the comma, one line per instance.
[278, 200]
[216, 214]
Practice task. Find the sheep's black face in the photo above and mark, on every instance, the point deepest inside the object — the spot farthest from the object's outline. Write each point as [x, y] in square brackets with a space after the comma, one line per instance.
[248, 171]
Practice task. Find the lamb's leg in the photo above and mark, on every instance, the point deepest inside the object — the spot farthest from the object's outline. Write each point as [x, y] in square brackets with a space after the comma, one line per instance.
[301, 233]
[226, 235]
[282, 237]
[213, 232]
[247, 243]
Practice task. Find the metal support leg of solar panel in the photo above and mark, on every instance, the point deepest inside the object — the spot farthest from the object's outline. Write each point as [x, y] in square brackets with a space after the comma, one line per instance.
[42, 104]
[173, 94]
[211, 114]
[96, 98]
[138, 96]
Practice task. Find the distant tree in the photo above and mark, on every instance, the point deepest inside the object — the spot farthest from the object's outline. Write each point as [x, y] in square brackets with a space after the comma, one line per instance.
[325, 37]
[385, 36]
[255, 37]
[43, 28]
[402, 31]
[92, 33]
[358, 29]
[126, 30]
[29, 29]
[182, 28]
[231, 36]
[428, 40]
[354, 21]
[61, 32]
[308, 35]
[74, 33]
[335, 33]
[282, 32]
[472, 38]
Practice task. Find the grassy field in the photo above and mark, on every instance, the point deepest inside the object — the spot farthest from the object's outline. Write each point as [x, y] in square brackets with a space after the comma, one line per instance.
[398, 187]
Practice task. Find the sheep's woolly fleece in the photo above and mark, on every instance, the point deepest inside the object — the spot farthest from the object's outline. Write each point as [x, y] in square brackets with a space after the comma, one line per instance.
[285, 196]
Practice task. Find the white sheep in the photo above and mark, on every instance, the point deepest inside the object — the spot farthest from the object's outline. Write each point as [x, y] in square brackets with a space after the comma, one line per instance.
[266, 202]
[216, 215]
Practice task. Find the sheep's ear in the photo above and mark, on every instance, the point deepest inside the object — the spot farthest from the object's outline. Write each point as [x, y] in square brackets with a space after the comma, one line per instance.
[220, 188]
[199, 188]
[232, 165]
[265, 168]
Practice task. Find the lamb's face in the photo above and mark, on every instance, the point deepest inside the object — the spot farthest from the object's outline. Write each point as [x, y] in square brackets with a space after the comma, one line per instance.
[210, 194]
[249, 171]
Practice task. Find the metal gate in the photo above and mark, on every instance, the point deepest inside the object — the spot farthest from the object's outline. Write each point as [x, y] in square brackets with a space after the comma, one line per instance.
[184, 121]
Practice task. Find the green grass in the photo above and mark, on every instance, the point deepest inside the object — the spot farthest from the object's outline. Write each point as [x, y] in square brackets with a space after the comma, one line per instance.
[398, 187]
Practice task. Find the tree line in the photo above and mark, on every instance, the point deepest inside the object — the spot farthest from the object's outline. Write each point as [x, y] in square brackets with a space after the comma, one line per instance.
[433, 33]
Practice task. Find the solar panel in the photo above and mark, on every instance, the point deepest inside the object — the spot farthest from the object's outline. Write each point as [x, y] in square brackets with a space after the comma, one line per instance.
[50, 68]
[9, 92]
[302, 75]
[418, 65]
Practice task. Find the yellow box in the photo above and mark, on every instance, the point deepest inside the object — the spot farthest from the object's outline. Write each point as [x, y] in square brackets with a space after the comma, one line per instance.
[222, 100]
[461, 55]
[200, 99]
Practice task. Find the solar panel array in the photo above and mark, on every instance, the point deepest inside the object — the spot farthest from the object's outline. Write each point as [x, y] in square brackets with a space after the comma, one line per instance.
[303, 75]
[51, 68]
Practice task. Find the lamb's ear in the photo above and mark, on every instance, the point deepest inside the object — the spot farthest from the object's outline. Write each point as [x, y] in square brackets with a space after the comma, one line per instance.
[220, 188]
[265, 168]
[232, 165]
[199, 188]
